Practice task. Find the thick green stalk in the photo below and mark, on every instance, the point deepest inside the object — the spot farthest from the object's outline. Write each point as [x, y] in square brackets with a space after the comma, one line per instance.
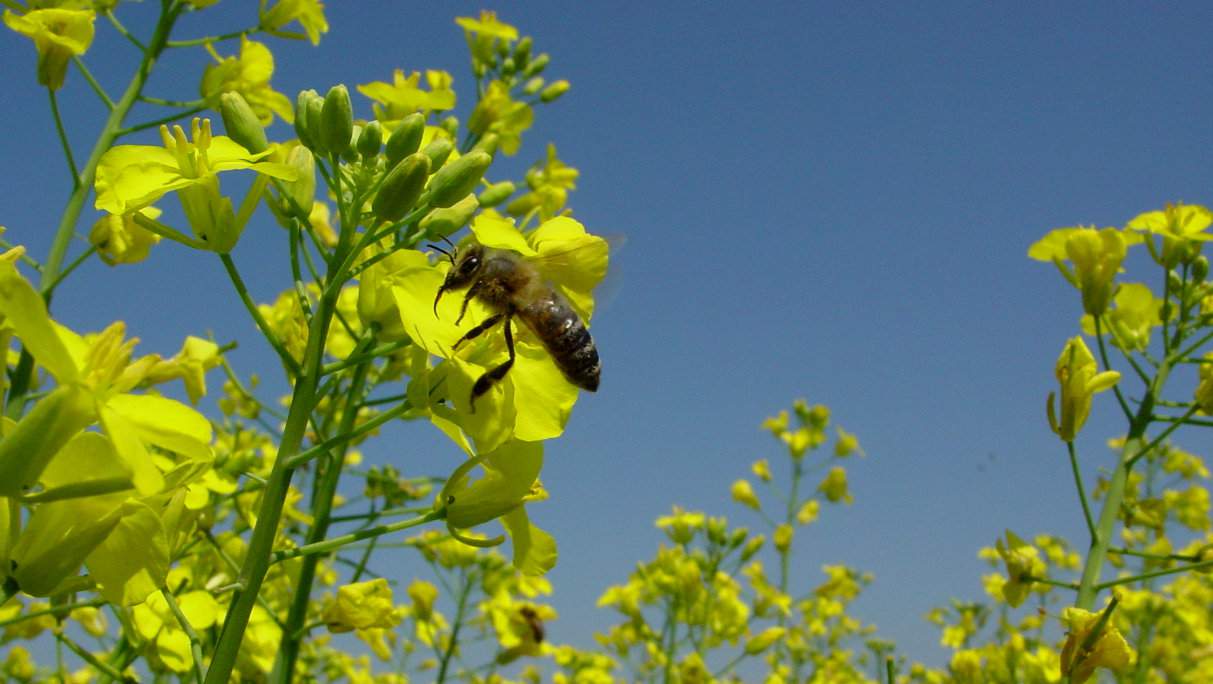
[1134, 443]
[261, 546]
[322, 508]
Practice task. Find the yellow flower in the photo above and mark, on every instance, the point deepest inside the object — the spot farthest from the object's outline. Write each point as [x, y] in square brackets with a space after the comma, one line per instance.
[1136, 314]
[119, 240]
[549, 183]
[534, 400]
[510, 480]
[1096, 256]
[808, 512]
[782, 537]
[483, 36]
[361, 605]
[1182, 227]
[834, 486]
[1204, 389]
[131, 177]
[155, 622]
[309, 14]
[1077, 374]
[58, 35]
[681, 525]
[762, 469]
[403, 95]
[1084, 651]
[1023, 564]
[249, 74]
[95, 377]
[743, 494]
[497, 112]
[196, 357]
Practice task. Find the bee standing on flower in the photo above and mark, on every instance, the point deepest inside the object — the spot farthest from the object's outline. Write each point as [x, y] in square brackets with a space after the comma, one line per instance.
[510, 286]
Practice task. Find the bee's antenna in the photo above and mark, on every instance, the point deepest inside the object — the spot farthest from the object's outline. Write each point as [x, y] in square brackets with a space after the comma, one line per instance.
[448, 254]
[448, 241]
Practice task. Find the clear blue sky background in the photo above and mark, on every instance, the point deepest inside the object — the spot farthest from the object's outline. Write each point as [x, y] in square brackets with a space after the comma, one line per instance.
[823, 200]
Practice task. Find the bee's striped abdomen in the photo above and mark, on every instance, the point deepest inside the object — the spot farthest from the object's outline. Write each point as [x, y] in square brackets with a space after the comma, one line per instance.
[565, 337]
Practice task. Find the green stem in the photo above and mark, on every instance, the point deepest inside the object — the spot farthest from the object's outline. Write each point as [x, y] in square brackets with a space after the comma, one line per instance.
[92, 82]
[1098, 552]
[257, 559]
[1082, 493]
[91, 659]
[1157, 573]
[67, 146]
[195, 643]
[287, 360]
[368, 426]
[464, 591]
[322, 508]
[347, 539]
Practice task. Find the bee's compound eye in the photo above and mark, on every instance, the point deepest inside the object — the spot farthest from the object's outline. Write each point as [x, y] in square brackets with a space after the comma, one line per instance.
[470, 264]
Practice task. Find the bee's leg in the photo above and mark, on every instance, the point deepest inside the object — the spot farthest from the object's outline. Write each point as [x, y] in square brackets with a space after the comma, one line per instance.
[479, 330]
[495, 375]
[468, 298]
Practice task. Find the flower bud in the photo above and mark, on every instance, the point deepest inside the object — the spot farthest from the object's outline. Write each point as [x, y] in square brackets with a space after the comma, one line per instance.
[450, 125]
[1174, 282]
[537, 65]
[783, 537]
[496, 194]
[554, 91]
[370, 139]
[752, 547]
[533, 86]
[307, 118]
[401, 188]
[1200, 268]
[454, 181]
[438, 150]
[337, 120]
[717, 531]
[351, 152]
[241, 123]
[303, 188]
[405, 139]
[763, 640]
[487, 144]
[441, 222]
[522, 51]
[508, 66]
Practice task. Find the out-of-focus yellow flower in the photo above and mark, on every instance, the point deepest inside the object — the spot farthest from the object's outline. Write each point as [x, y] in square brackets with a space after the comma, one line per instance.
[497, 112]
[1182, 227]
[404, 95]
[762, 469]
[58, 35]
[309, 14]
[248, 74]
[483, 35]
[1077, 374]
[119, 240]
[361, 605]
[1023, 563]
[154, 621]
[1083, 652]
[834, 486]
[681, 525]
[808, 512]
[782, 537]
[743, 494]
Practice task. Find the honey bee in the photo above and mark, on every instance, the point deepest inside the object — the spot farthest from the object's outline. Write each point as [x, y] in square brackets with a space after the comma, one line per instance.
[510, 286]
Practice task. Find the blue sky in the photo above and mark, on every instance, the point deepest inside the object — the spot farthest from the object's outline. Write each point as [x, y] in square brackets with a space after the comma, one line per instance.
[831, 201]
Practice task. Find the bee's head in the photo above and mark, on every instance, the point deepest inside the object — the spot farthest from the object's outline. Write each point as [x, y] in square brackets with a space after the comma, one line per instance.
[465, 268]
